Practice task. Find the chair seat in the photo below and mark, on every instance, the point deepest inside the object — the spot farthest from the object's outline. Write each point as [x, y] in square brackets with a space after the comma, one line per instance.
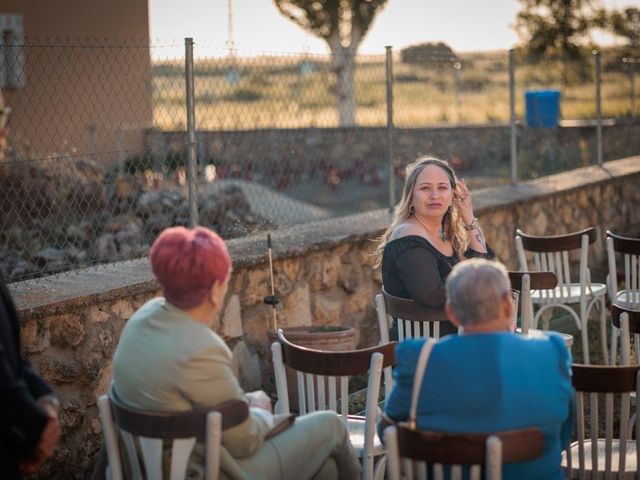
[621, 300]
[355, 425]
[562, 294]
[630, 463]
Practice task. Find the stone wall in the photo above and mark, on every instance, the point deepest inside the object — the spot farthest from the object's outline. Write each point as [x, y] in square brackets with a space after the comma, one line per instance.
[485, 148]
[323, 274]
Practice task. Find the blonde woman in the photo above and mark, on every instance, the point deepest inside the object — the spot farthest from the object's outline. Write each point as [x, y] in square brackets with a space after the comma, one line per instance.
[434, 228]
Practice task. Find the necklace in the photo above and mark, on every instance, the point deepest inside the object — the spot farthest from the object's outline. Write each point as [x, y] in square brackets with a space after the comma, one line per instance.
[441, 234]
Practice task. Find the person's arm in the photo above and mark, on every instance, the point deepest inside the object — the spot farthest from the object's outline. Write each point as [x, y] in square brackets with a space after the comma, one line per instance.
[464, 204]
[20, 416]
[564, 367]
[209, 380]
[418, 270]
[397, 406]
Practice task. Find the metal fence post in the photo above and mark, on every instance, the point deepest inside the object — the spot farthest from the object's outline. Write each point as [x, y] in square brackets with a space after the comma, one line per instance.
[512, 118]
[392, 187]
[633, 87]
[596, 55]
[191, 132]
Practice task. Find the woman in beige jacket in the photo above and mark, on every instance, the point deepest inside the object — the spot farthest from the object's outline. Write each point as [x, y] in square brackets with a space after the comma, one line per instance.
[169, 359]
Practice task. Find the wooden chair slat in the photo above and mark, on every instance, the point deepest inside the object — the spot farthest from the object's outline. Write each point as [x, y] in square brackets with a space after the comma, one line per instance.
[319, 362]
[175, 424]
[625, 244]
[552, 243]
[595, 378]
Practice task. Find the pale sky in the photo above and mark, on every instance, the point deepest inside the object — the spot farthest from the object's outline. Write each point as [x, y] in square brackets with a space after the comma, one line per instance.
[258, 27]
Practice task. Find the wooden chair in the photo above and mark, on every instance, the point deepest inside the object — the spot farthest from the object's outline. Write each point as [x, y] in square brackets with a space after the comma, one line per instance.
[551, 253]
[614, 455]
[323, 383]
[413, 320]
[410, 451]
[629, 249]
[151, 429]
[522, 283]
[627, 322]
[629, 297]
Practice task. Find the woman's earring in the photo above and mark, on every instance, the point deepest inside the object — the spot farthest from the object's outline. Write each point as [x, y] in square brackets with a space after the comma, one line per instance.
[412, 210]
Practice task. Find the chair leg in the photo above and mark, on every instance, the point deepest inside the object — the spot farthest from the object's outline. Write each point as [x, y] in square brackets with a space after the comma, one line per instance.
[584, 331]
[614, 345]
[381, 468]
[603, 332]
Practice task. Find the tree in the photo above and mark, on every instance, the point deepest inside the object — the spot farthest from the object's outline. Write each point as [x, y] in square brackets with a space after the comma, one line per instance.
[627, 24]
[433, 55]
[343, 24]
[555, 27]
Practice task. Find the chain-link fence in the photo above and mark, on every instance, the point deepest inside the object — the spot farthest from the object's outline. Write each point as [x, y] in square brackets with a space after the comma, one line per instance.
[102, 136]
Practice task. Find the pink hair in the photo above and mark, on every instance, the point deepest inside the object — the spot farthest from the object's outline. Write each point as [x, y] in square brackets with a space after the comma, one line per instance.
[187, 263]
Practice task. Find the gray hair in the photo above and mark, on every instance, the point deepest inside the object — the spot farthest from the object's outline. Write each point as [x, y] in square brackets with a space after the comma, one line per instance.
[475, 289]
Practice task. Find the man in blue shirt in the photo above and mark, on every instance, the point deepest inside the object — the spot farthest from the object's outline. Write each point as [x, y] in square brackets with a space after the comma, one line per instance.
[488, 379]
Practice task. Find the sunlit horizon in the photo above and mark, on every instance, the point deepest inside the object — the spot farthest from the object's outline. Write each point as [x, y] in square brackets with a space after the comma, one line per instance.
[259, 29]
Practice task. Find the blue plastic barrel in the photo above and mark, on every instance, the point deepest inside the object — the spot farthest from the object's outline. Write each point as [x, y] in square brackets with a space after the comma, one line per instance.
[542, 108]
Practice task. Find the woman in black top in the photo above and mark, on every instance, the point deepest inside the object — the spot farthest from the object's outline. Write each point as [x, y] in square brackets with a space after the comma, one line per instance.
[433, 229]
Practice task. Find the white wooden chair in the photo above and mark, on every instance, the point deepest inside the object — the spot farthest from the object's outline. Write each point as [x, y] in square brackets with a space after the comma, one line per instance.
[413, 321]
[410, 452]
[627, 322]
[323, 383]
[150, 430]
[611, 456]
[551, 253]
[629, 297]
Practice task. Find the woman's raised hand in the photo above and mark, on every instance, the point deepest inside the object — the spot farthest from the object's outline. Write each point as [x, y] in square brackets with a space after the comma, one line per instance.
[462, 197]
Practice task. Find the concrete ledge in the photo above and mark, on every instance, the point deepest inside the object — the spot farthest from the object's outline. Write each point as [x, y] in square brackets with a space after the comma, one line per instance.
[68, 291]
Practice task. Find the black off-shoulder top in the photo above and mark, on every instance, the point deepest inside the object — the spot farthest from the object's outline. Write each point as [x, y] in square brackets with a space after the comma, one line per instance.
[413, 268]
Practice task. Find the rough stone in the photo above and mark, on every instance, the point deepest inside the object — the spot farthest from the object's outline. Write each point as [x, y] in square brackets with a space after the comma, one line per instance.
[290, 267]
[257, 286]
[232, 320]
[323, 272]
[57, 368]
[122, 309]
[67, 331]
[327, 307]
[350, 277]
[537, 224]
[297, 308]
[95, 314]
[247, 364]
[34, 335]
[101, 386]
[255, 322]
[358, 301]
[71, 414]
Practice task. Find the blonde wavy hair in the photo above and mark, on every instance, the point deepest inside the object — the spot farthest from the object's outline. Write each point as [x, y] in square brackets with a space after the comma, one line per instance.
[452, 224]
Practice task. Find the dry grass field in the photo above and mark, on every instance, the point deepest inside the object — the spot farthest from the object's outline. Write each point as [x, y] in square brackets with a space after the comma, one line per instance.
[299, 91]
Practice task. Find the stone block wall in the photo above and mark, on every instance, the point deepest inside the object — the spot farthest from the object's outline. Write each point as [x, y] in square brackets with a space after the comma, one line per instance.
[324, 275]
[481, 147]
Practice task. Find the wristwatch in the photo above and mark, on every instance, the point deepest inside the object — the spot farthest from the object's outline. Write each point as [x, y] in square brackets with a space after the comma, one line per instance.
[472, 226]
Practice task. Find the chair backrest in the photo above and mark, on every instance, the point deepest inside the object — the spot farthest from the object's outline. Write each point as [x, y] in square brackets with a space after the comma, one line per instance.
[413, 320]
[323, 382]
[551, 253]
[522, 283]
[628, 321]
[629, 250]
[412, 450]
[152, 429]
[589, 382]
